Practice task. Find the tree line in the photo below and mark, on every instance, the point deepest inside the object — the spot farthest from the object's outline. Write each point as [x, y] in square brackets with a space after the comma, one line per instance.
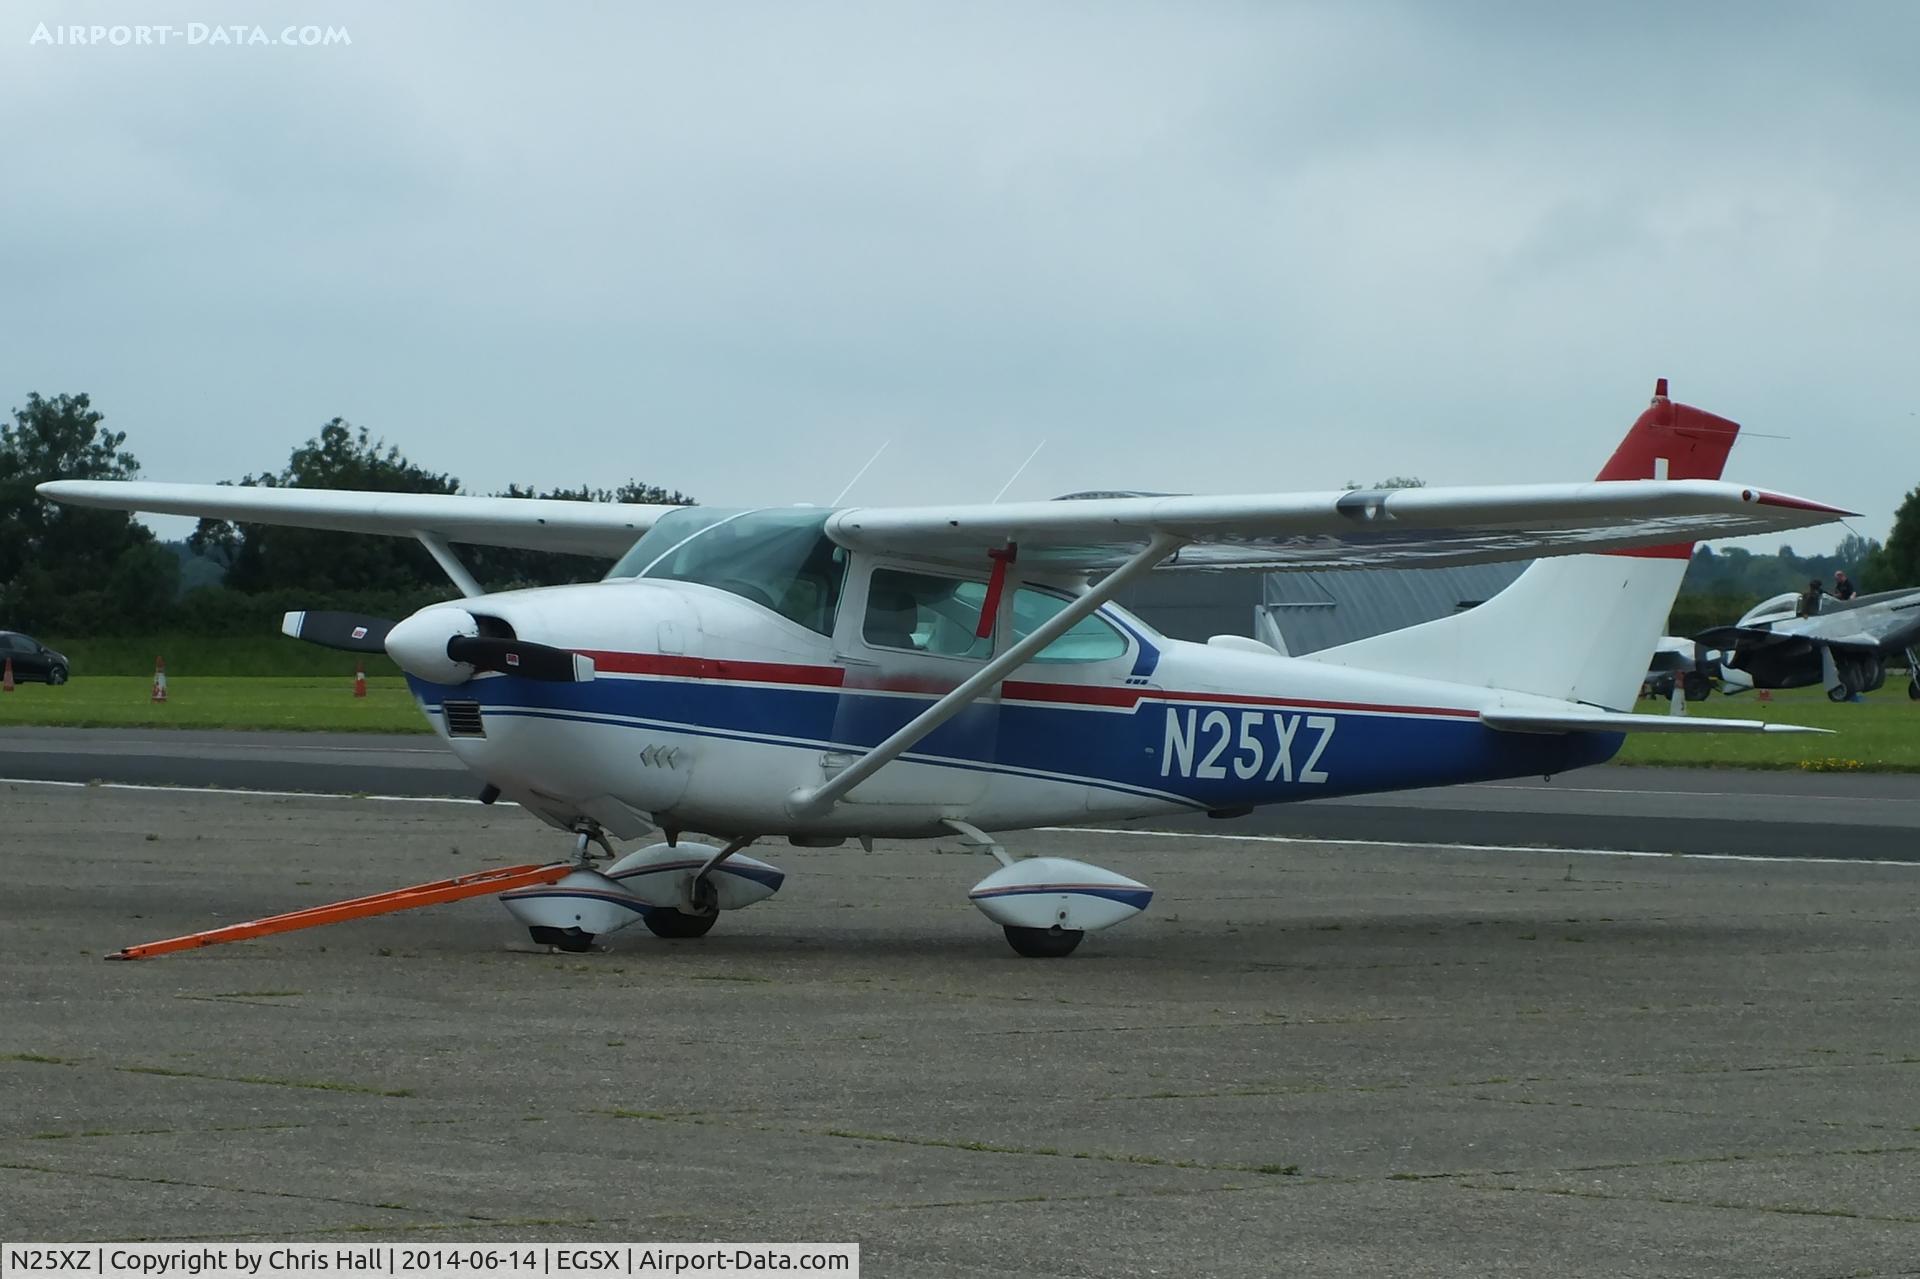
[76, 571]
[1722, 585]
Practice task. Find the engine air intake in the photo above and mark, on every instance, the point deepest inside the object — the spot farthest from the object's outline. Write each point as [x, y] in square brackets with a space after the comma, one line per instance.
[463, 719]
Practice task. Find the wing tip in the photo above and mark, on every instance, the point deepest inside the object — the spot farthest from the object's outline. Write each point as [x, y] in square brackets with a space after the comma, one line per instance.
[1765, 498]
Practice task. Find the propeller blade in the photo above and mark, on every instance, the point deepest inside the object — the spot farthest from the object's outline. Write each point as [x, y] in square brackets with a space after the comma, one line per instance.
[354, 632]
[517, 657]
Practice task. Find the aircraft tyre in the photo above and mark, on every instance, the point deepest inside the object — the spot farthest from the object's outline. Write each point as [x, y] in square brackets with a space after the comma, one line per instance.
[675, 924]
[1839, 693]
[1913, 688]
[1043, 943]
[1697, 687]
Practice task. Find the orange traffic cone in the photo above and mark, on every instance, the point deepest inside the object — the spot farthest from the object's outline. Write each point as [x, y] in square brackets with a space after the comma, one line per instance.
[359, 679]
[159, 679]
[6, 681]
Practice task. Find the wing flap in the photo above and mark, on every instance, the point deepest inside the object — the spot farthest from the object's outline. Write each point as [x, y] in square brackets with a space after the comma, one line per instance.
[1599, 721]
[602, 529]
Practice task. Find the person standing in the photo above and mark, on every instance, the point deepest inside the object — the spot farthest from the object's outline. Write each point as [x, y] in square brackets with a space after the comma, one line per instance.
[1842, 588]
[1810, 600]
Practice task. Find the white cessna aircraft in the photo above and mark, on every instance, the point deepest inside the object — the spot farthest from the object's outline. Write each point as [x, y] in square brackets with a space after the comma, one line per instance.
[918, 672]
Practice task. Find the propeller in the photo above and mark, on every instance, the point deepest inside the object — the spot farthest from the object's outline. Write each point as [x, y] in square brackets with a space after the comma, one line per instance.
[441, 644]
[354, 632]
[518, 657]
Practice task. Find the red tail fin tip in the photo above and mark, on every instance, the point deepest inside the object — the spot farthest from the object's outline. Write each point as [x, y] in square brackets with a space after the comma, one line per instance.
[1693, 443]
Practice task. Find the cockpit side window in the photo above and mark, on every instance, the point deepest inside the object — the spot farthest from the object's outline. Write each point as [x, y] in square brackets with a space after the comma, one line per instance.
[780, 558]
[927, 613]
[923, 613]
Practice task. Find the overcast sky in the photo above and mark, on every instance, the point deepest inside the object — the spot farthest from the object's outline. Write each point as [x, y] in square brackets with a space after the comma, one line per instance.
[734, 248]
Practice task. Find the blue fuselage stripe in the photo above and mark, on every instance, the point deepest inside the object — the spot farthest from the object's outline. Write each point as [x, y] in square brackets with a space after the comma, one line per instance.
[1207, 755]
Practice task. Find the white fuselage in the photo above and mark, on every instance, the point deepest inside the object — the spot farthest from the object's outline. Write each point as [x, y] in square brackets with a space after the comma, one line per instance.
[709, 712]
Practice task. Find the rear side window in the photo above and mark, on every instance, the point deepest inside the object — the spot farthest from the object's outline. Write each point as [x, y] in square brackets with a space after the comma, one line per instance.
[1093, 639]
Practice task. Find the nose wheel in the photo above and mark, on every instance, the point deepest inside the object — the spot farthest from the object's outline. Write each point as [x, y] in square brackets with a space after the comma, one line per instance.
[572, 940]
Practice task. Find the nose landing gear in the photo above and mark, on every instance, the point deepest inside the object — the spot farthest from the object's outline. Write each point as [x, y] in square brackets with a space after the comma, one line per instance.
[571, 914]
[676, 889]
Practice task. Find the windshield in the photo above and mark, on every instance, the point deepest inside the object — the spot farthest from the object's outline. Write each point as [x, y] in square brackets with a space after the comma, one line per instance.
[779, 557]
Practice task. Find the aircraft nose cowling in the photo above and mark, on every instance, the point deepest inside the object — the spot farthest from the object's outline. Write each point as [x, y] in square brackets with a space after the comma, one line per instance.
[419, 644]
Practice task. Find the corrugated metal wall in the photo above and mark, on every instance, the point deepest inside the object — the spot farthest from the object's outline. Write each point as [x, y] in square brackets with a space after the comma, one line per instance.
[1312, 611]
[1306, 612]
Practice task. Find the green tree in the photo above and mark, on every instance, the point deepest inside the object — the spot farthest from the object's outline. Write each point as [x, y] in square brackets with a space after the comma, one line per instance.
[502, 567]
[262, 557]
[71, 568]
[1897, 564]
[1854, 551]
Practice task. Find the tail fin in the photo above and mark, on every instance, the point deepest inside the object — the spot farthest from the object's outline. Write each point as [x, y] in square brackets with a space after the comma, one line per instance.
[1579, 627]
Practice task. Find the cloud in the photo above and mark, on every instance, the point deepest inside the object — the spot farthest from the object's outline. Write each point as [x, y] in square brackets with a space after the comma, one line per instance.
[732, 249]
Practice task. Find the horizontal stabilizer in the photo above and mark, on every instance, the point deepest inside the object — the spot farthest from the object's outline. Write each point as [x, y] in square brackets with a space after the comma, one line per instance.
[1599, 721]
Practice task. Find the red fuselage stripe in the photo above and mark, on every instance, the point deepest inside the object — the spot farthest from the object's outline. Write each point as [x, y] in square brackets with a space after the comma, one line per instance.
[716, 668]
[1013, 690]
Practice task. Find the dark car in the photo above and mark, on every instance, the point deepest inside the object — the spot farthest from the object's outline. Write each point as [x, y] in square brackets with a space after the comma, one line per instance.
[32, 659]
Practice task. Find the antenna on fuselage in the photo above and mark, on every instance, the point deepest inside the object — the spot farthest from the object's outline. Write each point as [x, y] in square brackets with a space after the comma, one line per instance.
[857, 474]
[1016, 475]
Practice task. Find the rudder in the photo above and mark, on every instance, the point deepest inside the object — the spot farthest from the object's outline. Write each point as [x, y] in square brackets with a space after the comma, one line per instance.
[1580, 627]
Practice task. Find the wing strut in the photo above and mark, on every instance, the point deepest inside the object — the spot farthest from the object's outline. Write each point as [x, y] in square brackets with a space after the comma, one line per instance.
[813, 801]
[450, 563]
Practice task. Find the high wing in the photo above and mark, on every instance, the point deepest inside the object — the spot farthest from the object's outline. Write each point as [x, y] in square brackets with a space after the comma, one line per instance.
[604, 529]
[1364, 528]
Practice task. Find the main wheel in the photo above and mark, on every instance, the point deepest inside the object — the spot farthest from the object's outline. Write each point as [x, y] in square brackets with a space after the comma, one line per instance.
[1698, 687]
[57, 675]
[1043, 943]
[1913, 688]
[1839, 693]
[667, 922]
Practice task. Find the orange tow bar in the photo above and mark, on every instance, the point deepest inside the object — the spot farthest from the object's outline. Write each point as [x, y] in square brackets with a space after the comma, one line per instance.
[477, 884]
